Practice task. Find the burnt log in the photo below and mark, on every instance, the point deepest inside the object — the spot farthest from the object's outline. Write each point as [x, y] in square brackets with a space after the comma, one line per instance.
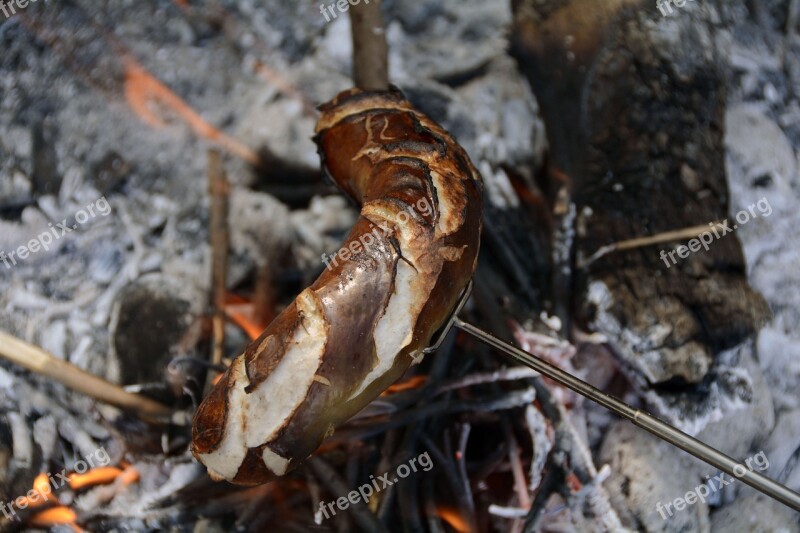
[634, 107]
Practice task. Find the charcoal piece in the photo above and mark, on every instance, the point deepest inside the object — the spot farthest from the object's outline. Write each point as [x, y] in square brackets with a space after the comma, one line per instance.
[634, 108]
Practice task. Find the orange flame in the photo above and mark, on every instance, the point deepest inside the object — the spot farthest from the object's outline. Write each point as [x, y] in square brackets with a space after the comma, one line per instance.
[414, 382]
[103, 476]
[142, 89]
[54, 517]
[454, 519]
[61, 515]
[96, 476]
[242, 313]
[42, 490]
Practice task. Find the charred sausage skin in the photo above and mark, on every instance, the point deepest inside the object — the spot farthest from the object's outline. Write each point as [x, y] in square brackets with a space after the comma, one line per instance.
[372, 311]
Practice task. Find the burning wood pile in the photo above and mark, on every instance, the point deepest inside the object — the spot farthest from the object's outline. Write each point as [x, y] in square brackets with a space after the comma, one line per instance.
[614, 181]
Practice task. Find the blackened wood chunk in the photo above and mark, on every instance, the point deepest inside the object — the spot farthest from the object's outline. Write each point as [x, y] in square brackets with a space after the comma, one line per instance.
[150, 323]
[636, 120]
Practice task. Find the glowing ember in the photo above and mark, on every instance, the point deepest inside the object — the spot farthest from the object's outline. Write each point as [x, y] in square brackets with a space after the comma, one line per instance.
[453, 519]
[57, 516]
[96, 476]
[41, 485]
[574, 483]
[242, 313]
[414, 382]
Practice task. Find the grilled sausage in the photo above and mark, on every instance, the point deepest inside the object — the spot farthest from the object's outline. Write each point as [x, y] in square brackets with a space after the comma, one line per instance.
[375, 307]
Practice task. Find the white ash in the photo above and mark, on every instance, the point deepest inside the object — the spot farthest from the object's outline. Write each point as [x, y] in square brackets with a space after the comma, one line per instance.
[6, 380]
[292, 138]
[646, 471]
[21, 439]
[747, 412]
[498, 187]
[647, 354]
[316, 228]
[260, 226]
[45, 434]
[781, 449]
[762, 162]
[541, 441]
[182, 473]
[755, 512]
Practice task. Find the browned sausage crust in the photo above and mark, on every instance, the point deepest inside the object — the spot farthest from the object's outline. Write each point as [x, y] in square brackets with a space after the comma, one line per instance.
[370, 314]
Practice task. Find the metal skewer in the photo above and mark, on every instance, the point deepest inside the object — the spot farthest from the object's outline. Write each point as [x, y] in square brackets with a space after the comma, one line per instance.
[644, 420]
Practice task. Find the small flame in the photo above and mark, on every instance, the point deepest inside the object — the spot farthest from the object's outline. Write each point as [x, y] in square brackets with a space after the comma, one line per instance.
[61, 515]
[414, 382]
[96, 476]
[56, 516]
[142, 90]
[242, 313]
[41, 486]
[103, 476]
[453, 519]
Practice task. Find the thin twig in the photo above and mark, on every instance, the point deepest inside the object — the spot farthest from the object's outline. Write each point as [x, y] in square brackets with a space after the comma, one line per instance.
[499, 402]
[504, 374]
[454, 478]
[370, 51]
[639, 242]
[553, 479]
[219, 190]
[377, 504]
[462, 469]
[264, 299]
[520, 485]
[39, 361]
[336, 485]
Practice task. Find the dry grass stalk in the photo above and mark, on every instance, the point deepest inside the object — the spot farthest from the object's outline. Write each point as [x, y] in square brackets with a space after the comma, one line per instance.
[41, 362]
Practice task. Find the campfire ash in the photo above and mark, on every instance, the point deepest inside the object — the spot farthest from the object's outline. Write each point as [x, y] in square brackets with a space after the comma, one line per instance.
[596, 129]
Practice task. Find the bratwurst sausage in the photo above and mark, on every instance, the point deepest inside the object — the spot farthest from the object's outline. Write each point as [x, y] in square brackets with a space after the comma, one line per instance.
[374, 308]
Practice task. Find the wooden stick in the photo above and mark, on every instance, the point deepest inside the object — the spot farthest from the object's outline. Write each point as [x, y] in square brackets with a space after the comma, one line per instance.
[263, 299]
[370, 51]
[639, 242]
[219, 190]
[41, 362]
[328, 477]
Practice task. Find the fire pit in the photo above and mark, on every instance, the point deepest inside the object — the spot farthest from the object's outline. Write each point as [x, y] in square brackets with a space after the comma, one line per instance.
[162, 202]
